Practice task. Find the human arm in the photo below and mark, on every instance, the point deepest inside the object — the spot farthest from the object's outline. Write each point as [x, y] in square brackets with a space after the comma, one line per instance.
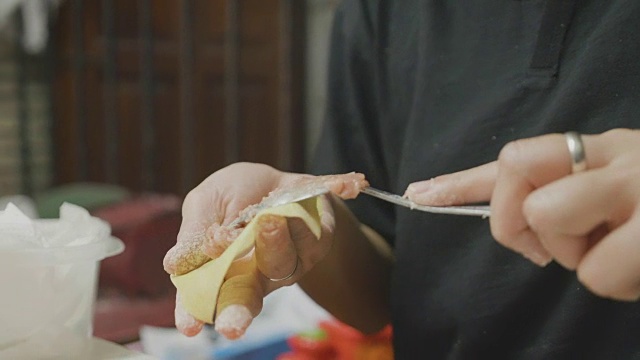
[352, 281]
[588, 221]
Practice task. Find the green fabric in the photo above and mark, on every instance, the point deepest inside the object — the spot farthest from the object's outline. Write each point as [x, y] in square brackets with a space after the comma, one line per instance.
[88, 195]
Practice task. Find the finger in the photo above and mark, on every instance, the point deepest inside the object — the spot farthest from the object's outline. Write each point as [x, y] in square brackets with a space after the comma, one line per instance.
[607, 147]
[186, 254]
[564, 213]
[185, 323]
[569, 250]
[239, 302]
[566, 250]
[346, 186]
[463, 187]
[275, 252]
[523, 166]
[477, 184]
[612, 268]
[508, 225]
[309, 248]
[529, 164]
[577, 204]
[218, 238]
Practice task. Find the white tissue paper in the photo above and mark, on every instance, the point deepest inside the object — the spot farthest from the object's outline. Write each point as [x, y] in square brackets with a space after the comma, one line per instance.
[16, 229]
[48, 277]
[76, 227]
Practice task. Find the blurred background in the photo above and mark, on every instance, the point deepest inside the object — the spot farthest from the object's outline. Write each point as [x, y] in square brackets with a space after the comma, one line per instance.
[154, 95]
[123, 106]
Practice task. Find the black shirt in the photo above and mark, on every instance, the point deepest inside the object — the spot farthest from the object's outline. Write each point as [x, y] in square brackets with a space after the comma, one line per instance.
[423, 88]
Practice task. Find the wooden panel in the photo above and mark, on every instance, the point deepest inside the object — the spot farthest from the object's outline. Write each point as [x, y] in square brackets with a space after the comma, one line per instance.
[129, 133]
[165, 20]
[126, 20]
[158, 100]
[260, 136]
[209, 88]
[96, 140]
[168, 131]
[64, 128]
[258, 86]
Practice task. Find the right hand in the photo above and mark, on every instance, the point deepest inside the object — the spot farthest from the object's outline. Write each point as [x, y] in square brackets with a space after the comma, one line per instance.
[281, 245]
[587, 221]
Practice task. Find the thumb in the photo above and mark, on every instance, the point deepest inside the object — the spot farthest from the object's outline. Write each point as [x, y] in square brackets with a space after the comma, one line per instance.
[199, 212]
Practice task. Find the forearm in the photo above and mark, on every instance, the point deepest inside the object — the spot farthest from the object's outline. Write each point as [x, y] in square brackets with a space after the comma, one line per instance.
[352, 281]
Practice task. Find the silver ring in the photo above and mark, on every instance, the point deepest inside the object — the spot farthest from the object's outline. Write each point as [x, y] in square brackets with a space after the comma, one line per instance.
[576, 150]
[288, 276]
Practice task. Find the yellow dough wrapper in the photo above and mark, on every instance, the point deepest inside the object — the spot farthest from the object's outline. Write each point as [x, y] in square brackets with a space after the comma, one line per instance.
[199, 289]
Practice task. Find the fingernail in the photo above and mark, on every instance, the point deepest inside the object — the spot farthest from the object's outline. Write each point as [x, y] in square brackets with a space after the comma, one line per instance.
[533, 250]
[270, 226]
[185, 323]
[233, 321]
[528, 244]
[538, 258]
[218, 238]
[428, 193]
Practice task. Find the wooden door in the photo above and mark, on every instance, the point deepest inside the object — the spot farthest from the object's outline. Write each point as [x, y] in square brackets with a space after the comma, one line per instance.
[155, 95]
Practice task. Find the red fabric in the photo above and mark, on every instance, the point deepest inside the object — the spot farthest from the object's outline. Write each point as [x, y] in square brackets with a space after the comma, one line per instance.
[134, 288]
[148, 226]
[342, 342]
[119, 319]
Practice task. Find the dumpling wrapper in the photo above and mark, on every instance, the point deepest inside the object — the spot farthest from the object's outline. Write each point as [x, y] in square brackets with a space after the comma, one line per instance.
[199, 289]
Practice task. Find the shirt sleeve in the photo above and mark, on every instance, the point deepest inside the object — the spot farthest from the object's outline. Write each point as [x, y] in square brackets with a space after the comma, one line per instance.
[350, 139]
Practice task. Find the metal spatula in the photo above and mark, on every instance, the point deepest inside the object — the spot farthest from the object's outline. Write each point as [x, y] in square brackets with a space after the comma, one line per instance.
[298, 194]
[281, 197]
[483, 211]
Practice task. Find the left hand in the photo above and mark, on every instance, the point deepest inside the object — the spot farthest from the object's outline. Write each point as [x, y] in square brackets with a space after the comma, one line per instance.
[587, 221]
[285, 248]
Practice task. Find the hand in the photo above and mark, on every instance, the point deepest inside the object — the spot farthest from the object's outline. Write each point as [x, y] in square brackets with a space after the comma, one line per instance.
[282, 245]
[587, 221]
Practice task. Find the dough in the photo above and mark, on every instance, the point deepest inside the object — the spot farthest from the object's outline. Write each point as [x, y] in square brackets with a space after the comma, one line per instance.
[199, 289]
